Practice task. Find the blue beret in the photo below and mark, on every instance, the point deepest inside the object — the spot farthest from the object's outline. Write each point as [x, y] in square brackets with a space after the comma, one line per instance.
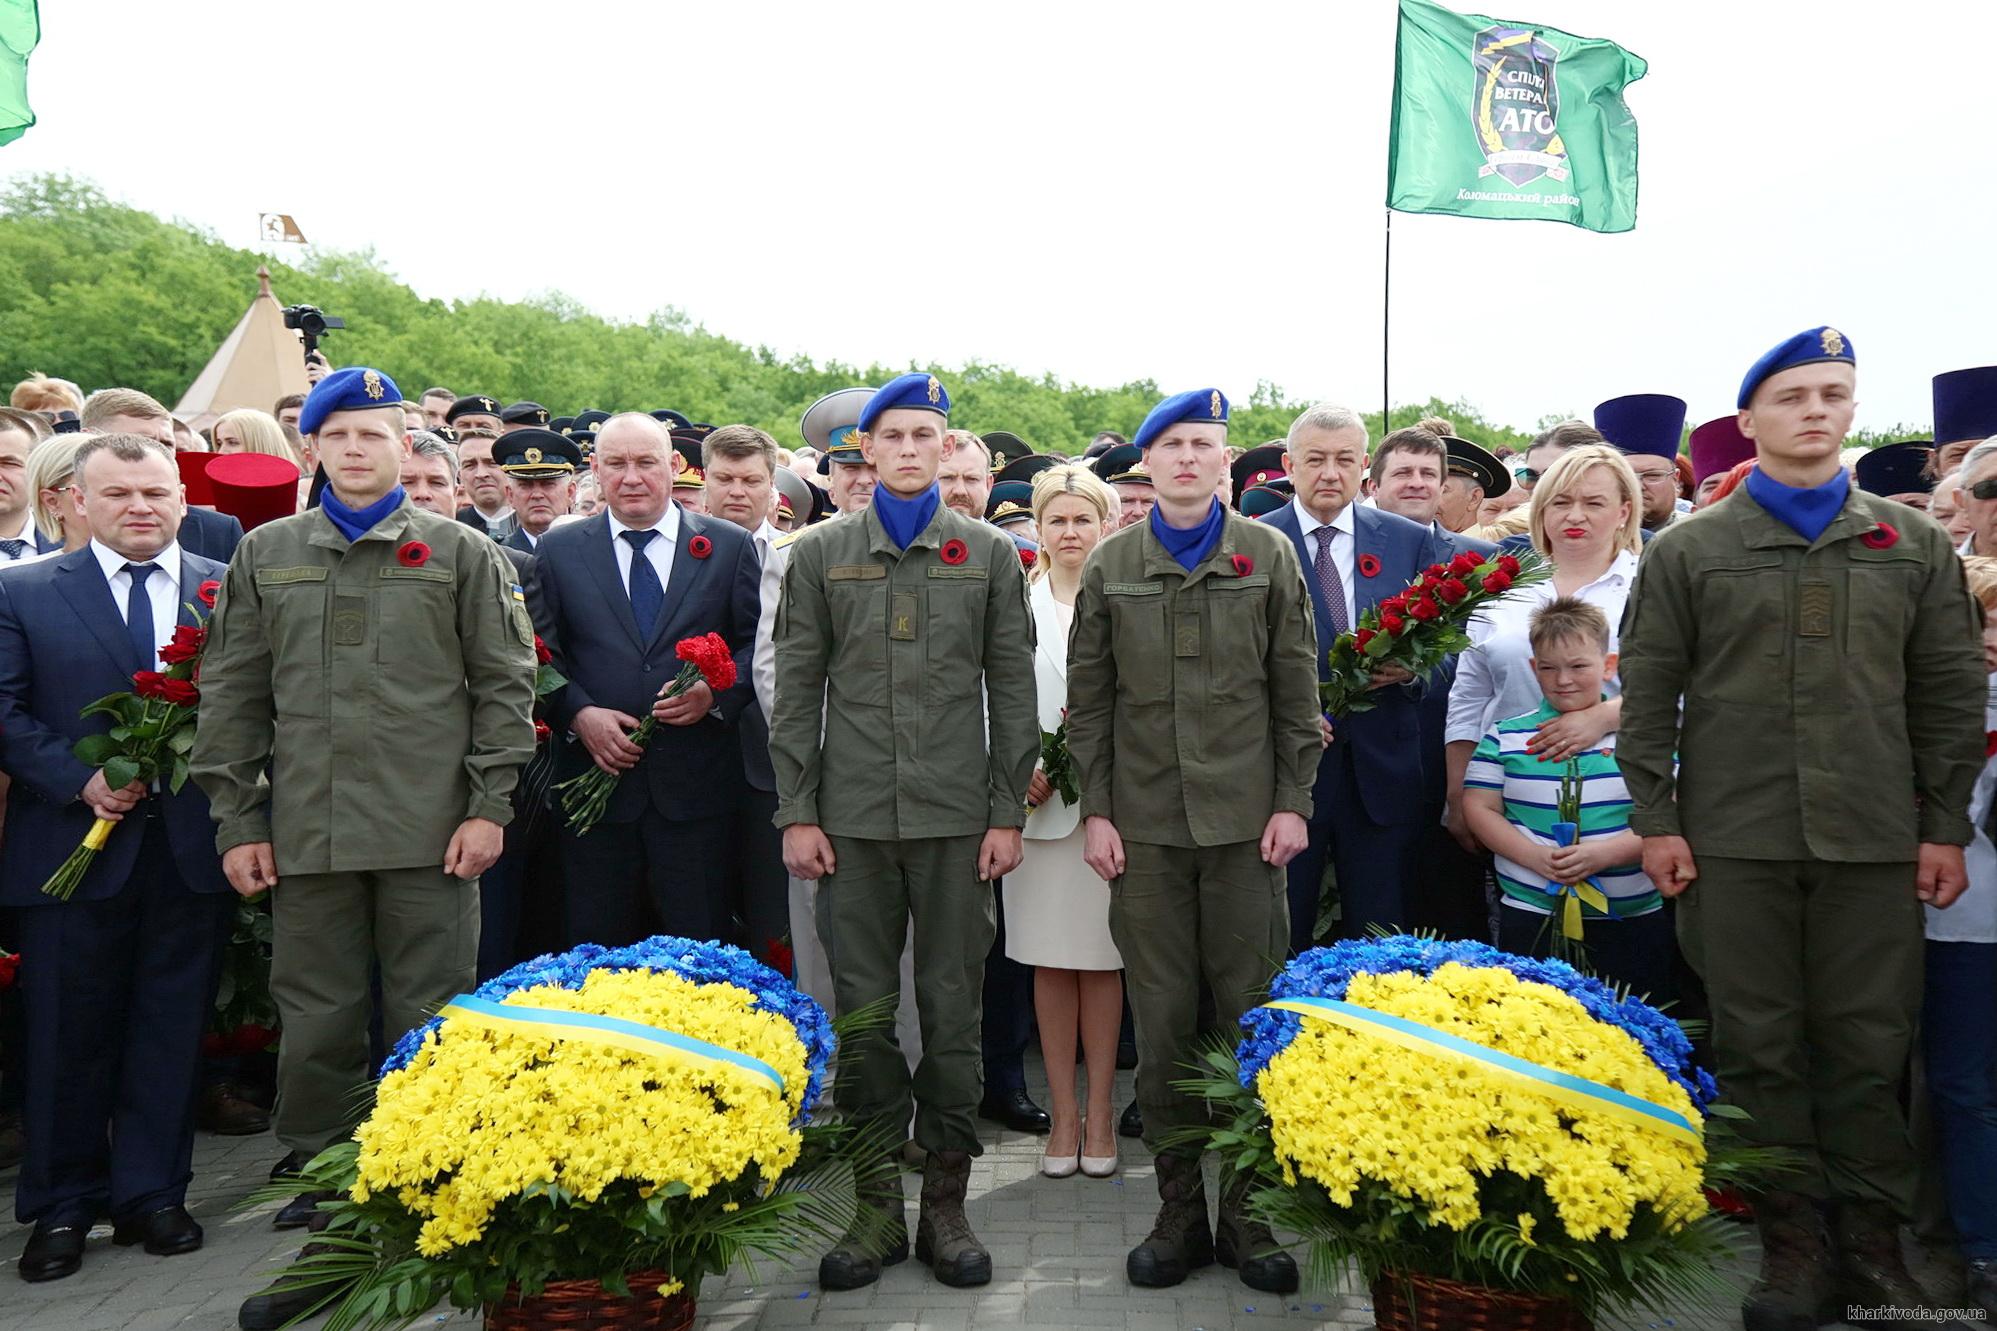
[1896, 469]
[1201, 404]
[1643, 423]
[914, 392]
[1813, 346]
[355, 388]
[1966, 404]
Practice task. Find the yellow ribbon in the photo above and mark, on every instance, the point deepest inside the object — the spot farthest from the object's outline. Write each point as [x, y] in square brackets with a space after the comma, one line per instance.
[1563, 1088]
[1572, 895]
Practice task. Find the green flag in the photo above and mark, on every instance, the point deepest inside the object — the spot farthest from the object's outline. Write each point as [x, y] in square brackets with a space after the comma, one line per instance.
[1510, 120]
[20, 29]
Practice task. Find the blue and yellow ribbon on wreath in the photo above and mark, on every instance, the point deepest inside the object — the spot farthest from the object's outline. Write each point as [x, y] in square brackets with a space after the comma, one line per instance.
[615, 1032]
[1561, 1087]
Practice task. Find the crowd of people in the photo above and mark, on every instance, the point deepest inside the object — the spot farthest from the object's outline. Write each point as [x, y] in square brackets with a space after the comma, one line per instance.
[1018, 741]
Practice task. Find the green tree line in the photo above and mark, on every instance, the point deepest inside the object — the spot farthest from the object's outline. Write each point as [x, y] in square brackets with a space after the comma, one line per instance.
[103, 294]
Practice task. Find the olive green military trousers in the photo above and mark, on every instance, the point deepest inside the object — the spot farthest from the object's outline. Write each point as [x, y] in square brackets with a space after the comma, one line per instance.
[1813, 969]
[1178, 914]
[328, 930]
[864, 915]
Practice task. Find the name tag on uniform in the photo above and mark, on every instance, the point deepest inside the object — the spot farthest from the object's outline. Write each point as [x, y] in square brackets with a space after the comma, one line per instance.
[1813, 602]
[901, 617]
[855, 573]
[949, 571]
[1133, 589]
[278, 577]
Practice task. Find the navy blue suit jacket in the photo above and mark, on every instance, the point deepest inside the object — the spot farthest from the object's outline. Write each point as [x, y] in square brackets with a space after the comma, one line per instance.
[584, 616]
[203, 532]
[63, 646]
[517, 540]
[1384, 741]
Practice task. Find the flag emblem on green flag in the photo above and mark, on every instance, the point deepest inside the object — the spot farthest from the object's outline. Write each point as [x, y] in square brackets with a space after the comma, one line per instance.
[1494, 118]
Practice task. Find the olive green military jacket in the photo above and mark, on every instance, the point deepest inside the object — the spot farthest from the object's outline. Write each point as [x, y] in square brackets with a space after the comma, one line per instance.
[1833, 690]
[1192, 697]
[887, 664]
[359, 702]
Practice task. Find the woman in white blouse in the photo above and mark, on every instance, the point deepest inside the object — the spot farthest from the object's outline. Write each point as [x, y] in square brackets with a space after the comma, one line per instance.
[1056, 909]
[1587, 520]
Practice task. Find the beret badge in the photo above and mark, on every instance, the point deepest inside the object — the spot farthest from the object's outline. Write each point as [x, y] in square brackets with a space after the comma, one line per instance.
[935, 390]
[488, 404]
[371, 384]
[1833, 342]
[1215, 405]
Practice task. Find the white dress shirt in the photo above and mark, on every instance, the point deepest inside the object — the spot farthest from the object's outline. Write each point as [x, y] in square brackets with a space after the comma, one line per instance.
[163, 588]
[1494, 679]
[659, 549]
[1343, 535]
[764, 536]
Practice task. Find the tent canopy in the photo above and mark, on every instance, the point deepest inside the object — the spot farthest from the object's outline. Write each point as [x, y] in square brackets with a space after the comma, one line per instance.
[259, 362]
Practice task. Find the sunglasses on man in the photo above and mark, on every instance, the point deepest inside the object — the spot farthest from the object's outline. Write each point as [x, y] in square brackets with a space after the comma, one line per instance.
[1985, 489]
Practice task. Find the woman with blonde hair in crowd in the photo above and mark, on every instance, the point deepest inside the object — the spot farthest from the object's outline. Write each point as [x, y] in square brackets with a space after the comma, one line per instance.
[1056, 908]
[247, 430]
[51, 469]
[38, 392]
[1586, 519]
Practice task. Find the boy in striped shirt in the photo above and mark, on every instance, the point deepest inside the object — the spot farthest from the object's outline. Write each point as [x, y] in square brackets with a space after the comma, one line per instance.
[1511, 800]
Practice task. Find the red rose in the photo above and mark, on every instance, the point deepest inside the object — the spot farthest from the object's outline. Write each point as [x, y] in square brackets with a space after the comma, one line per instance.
[541, 652]
[1394, 604]
[1394, 624]
[1467, 562]
[1425, 609]
[1361, 638]
[188, 640]
[1243, 565]
[1496, 582]
[1883, 537]
[1436, 571]
[152, 684]
[1508, 566]
[1369, 566]
[415, 554]
[709, 654]
[954, 552]
[1452, 590]
[9, 963]
[207, 592]
[543, 732]
[700, 547]
[1025, 557]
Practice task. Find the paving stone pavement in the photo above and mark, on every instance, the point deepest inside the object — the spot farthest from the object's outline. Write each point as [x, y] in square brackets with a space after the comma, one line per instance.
[1057, 1245]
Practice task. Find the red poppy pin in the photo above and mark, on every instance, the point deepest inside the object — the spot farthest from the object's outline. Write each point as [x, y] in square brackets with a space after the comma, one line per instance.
[207, 592]
[1369, 566]
[1883, 537]
[413, 555]
[954, 552]
[700, 547]
[1243, 565]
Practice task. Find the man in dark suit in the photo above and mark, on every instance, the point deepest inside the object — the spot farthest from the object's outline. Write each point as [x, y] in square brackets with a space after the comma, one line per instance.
[484, 482]
[1367, 803]
[618, 591]
[119, 978]
[540, 468]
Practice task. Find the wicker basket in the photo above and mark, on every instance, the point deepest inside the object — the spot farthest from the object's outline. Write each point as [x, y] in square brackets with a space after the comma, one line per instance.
[1430, 1303]
[584, 1305]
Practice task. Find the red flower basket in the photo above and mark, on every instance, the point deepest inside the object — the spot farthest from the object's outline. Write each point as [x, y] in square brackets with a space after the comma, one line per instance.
[700, 547]
[954, 552]
[1369, 566]
[414, 554]
[572, 1305]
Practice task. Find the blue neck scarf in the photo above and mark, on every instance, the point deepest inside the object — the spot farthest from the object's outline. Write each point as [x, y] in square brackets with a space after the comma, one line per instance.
[904, 519]
[355, 523]
[1806, 511]
[1189, 545]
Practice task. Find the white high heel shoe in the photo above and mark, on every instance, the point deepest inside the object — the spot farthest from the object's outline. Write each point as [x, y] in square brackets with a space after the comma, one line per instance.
[1060, 1166]
[1098, 1166]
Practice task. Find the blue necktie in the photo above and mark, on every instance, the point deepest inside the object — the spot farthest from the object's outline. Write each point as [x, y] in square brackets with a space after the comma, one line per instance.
[13, 549]
[139, 616]
[648, 598]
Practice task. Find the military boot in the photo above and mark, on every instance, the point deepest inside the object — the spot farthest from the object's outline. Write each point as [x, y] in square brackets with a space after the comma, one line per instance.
[1874, 1269]
[1795, 1290]
[1180, 1241]
[877, 1237]
[1246, 1246]
[943, 1238]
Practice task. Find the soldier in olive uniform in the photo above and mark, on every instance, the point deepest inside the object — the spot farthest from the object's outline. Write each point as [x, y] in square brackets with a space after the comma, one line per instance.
[911, 803]
[1193, 719]
[1828, 658]
[367, 694]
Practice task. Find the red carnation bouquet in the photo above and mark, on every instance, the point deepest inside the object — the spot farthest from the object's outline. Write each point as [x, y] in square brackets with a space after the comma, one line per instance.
[1422, 626]
[585, 797]
[152, 732]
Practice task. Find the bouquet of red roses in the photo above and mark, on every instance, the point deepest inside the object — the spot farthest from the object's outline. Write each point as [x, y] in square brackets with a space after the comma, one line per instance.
[1422, 626]
[152, 732]
[547, 680]
[585, 797]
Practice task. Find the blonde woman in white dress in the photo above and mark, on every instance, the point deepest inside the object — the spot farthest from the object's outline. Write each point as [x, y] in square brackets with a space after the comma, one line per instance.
[1057, 909]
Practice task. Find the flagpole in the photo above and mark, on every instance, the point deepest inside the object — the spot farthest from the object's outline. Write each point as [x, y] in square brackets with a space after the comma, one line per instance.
[1386, 324]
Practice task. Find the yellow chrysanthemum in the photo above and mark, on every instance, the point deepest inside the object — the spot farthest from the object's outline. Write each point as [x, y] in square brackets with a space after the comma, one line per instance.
[1345, 1107]
[480, 1115]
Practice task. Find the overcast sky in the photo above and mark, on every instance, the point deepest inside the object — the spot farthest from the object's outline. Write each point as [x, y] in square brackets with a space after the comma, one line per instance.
[1190, 193]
